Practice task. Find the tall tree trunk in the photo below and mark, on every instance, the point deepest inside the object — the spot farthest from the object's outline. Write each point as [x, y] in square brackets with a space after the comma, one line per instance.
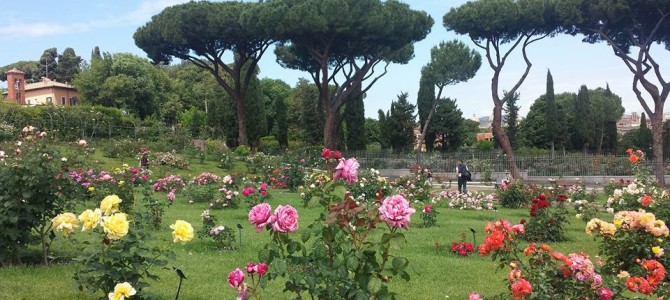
[329, 139]
[422, 137]
[242, 122]
[503, 140]
[657, 130]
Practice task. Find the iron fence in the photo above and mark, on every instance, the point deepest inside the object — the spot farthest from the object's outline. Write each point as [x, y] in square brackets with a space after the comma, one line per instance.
[564, 164]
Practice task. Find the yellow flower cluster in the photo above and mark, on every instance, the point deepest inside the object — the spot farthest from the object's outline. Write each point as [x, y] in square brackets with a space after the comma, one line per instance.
[114, 223]
[110, 204]
[65, 222]
[182, 231]
[633, 220]
[604, 228]
[122, 291]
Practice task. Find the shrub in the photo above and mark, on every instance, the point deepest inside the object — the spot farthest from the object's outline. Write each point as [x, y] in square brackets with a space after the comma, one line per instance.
[171, 159]
[547, 219]
[223, 236]
[7, 132]
[120, 255]
[471, 200]
[513, 196]
[243, 150]
[429, 216]
[31, 181]
[122, 148]
[269, 145]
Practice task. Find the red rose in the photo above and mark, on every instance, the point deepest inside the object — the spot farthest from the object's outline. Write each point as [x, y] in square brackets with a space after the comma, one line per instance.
[337, 155]
[326, 154]
[262, 268]
[427, 209]
[561, 198]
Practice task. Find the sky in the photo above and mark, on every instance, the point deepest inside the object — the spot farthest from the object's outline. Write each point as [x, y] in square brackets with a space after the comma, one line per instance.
[26, 30]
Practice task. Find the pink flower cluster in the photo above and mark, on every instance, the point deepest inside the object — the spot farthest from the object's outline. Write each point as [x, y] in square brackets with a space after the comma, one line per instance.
[347, 169]
[86, 178]
[229, 193]
[330, 154]
[250, 190]
[284, 219]
[206, 178]
[583, 268]
[395, 211]
[169, 183]
[236, 278]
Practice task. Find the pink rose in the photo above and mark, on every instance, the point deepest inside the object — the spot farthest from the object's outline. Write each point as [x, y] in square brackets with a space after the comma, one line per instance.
[259, 215]
[285, 219]
[247, 191]
[261, 268]
[604, 293]
[475, 296]
[347, 170]
[235, 278]
[171, 196]
[264, 186]
[251, 268]
[264, 193]
[242, 292]
[395, 211]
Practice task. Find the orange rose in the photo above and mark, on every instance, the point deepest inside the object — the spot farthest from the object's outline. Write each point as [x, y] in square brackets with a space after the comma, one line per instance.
[633, 158]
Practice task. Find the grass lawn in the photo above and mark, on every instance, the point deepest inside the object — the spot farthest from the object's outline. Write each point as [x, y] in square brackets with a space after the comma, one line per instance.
[440, 274]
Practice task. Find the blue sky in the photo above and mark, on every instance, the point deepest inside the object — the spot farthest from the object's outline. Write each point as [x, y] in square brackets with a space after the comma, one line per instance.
[27, 29]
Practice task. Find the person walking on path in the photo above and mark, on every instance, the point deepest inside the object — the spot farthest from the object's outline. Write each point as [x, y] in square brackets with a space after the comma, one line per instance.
[461, 173]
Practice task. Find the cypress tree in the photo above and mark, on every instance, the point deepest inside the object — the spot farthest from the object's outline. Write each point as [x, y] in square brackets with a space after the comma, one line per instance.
[354, 118]
[511, 116]
[424, 103]
[551, 112]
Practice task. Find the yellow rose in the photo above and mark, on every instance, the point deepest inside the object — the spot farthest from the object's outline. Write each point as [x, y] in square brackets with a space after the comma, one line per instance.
[592, 225]
[110, 204]
[90, 189]
[121, 182]
[90, 219]
[182, 231]
[607, 229]
[65, 222]
[122, 291]
[658, 251]
[116, 226]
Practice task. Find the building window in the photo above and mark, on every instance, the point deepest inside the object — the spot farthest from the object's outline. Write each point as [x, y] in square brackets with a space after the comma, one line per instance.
[49, 100]
[28, 101]
[73, 101]
[62, 100]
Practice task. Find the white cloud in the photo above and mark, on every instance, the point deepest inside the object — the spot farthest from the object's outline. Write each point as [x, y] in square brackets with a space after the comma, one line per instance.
[147, 9]
[139, 15]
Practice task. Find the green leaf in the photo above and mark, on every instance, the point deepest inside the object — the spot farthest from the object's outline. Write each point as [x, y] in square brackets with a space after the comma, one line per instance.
[397, 241]
[399, 263]
[374, 285]
[263, 255]
[352, 263]
[280, 266]
[305, 236]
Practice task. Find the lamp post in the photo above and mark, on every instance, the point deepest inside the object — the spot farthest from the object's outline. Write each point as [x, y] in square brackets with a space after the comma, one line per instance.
[181, 277]
[239, 229]
[474, 239]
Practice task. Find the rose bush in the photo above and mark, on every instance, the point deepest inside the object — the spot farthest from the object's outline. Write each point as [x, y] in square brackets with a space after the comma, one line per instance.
[340, 239]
